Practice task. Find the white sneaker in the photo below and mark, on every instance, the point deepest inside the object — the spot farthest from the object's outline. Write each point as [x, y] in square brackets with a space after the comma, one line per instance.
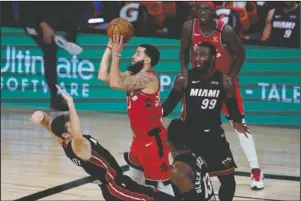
[257, 179]
[70, 47]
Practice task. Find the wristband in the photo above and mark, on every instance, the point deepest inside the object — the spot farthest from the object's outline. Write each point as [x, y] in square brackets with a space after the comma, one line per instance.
[108, 47]
[116, 54]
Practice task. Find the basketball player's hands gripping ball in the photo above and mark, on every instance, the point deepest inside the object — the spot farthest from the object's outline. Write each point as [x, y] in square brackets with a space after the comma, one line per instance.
[122, 27]
[65, 95]
[117, 44]
[37, 117]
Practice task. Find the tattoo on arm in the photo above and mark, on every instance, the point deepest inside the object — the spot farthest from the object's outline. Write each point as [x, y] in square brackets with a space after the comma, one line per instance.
[139, 81]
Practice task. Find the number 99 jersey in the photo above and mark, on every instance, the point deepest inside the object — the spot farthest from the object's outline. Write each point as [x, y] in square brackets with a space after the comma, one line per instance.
[203, 99]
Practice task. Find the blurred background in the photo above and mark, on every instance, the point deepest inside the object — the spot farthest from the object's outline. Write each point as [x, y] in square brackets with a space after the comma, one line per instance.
[270, 81]
[156, 19]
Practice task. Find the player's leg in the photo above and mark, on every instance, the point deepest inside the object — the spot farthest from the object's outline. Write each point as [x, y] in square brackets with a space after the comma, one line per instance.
[151, 192]
[50, 67]
[220, 162]
[247, 143]
[155, 163]
[135, 169]
[227, 189]
[117, 190]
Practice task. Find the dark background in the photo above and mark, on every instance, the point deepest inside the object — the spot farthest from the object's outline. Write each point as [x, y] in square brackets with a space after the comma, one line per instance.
[19, 14]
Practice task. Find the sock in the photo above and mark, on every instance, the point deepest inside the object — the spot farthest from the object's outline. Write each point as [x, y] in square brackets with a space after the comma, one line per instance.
[248, 145]
[165, 189]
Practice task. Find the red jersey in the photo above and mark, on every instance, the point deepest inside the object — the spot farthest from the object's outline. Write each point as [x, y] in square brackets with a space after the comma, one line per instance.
[224, 58]
[144, 110]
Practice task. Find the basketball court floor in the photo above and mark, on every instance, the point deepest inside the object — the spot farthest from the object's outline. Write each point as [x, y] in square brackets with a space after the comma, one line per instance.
[34, 165]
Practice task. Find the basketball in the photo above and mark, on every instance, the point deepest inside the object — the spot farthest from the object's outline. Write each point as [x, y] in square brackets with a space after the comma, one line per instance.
[122, 27]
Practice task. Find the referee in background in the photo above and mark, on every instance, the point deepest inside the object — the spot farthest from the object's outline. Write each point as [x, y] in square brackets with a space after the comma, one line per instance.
[41, 20]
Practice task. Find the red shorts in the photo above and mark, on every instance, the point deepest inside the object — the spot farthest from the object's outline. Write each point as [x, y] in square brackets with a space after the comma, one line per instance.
[238, 98]
[151, 157]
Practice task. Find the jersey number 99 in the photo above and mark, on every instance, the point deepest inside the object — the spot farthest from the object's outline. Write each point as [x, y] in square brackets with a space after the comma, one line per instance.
[210, 104]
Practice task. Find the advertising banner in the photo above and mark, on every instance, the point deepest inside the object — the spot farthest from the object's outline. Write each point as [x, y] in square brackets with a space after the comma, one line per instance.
[269, 80]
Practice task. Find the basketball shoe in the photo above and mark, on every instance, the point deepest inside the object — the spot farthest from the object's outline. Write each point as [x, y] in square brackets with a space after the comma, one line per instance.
[257, 179]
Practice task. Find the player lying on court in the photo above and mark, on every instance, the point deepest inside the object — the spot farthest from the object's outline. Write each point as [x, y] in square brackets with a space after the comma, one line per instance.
[230, 59]
[148, 156]
[189, 171]
[203, 90]
[86, 152]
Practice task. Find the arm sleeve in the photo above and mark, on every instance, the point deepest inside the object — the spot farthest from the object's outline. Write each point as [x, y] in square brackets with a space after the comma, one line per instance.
[175, 95]
[232, 106]
[171, 102]
[231, 101]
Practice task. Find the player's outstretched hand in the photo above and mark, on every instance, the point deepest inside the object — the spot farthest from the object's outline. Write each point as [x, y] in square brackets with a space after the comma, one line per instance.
[37, 117]
[117, 44]
[65, 95]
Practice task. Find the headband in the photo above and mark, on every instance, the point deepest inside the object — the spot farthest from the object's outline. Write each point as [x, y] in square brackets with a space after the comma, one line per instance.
[210, 3]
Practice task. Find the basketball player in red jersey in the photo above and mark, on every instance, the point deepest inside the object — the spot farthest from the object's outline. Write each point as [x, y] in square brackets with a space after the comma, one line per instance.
[229, 60]
[148, 156]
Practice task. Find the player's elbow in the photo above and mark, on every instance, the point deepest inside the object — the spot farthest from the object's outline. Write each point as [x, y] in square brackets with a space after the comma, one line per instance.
[115, 85]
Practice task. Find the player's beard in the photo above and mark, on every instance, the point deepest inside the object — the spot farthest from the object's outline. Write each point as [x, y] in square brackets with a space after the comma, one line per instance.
[136, 68]
[205, 67]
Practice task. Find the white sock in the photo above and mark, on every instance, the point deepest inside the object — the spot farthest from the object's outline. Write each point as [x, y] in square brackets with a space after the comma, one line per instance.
[165, 189]
[248, 145]
[136, 175]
